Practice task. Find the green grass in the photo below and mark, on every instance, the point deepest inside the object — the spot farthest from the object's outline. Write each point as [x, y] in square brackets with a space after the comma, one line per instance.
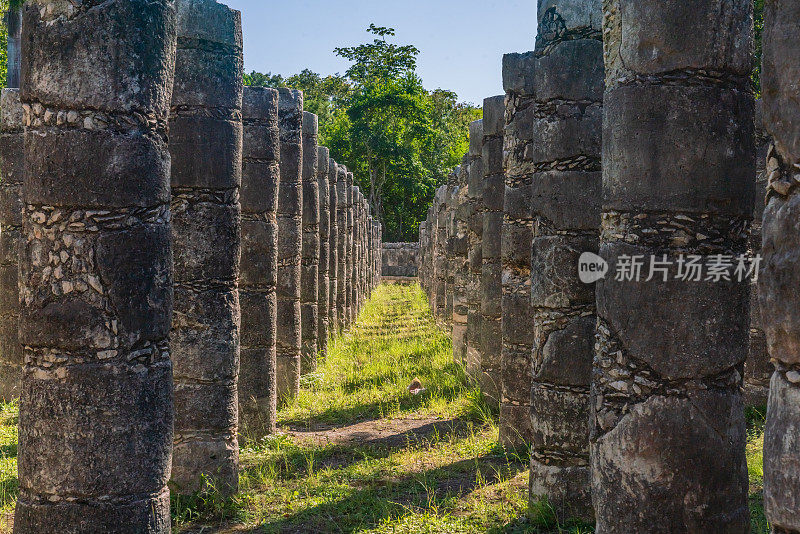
[448, 475]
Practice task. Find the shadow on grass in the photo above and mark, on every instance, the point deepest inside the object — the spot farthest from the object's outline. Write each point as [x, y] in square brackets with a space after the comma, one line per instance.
[291, 461]
[388, 498]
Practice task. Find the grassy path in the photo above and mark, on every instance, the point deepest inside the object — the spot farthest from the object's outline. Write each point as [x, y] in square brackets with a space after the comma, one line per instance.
[357, 452]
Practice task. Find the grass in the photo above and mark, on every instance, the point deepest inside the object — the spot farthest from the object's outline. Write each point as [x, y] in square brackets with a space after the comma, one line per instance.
[358, 453]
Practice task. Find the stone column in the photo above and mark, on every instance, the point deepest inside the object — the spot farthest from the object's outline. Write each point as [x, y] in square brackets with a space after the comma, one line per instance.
[206, 149]
[355, 265]
[757, 369]
[668, 438]
[460, 267]
[309, 279]
[323, 280]
[290, 242]
[341, 268]
[95, 421]
[474, 249]
[517, 234]
[449, 252]
[259, 263]
[11, 163]
[492, 269]
[565, 205]
[781, 275]
[440, 254]
[349, 250]
[333, 263]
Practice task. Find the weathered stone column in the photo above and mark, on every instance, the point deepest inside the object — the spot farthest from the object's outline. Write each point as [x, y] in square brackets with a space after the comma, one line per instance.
[565, 204]
[757, 369]
[259, 263]
[309, 279]
[474, 248]
[333, 263]
[95, 421]
[423, 258]
[668, 443]
[779, 281]
[517, 234]
[11, 163]
[449, 252]
[349, 250]
[492, 269]
[290, 242]
[206, 148]
[341, 268]
[324, 281]
[440, 253]
[356, 260]
[459, 265]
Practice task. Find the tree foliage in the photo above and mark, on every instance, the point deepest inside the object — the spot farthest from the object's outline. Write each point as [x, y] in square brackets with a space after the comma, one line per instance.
[399, 139]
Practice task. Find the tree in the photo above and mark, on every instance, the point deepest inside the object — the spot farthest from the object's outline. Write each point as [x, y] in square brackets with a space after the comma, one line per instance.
[399, 139]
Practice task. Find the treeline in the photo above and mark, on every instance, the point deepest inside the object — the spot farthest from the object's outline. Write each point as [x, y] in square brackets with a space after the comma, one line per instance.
[399, 139]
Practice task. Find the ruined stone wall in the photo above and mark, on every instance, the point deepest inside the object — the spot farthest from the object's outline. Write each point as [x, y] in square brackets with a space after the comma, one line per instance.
[206, 149]
[400, 259]
[324, 281]
[781, 276]
[565, 203]
[517, 234]
[12, 165]
[449, 248]
[259, 262]
[475, 211]
[492, 268]
[96, 268]
[290, 242]
[678, 179]
[309, 272]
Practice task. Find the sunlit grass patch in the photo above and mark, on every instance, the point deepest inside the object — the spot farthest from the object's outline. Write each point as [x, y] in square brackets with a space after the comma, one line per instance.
[9, 486]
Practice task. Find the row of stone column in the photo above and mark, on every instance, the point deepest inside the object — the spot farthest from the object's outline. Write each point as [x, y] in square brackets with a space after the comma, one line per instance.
[627, 134]
[180, 243]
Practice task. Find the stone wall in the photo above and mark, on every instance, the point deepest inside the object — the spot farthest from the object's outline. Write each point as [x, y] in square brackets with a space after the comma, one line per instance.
[400, 260]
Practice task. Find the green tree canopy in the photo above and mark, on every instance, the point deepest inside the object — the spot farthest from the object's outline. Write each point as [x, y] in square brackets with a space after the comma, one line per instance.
[399, 139]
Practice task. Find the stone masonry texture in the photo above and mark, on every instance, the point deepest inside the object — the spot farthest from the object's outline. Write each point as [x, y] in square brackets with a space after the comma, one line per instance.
[259, 263]
[323, 280]
[460, 266]
[206, 149]
[343, 275]
[517, 233]
[758, 369]
[668, 427]
[12, 162]
[781, 245]
[491, 290]
[565, 205]
[309, 279]
[96, 416]
[349, 250]
[474, 221]
[333, 264]
[399, 259]
[290, 242]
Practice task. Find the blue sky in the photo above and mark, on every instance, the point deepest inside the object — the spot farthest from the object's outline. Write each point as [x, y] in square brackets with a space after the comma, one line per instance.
[461, 41]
